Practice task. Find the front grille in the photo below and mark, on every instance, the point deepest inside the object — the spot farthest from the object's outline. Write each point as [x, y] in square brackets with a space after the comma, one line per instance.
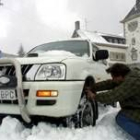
[10, 70]
[26, 94]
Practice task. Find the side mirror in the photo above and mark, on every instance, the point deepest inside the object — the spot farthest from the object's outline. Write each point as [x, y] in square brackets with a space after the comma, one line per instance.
[100, 55]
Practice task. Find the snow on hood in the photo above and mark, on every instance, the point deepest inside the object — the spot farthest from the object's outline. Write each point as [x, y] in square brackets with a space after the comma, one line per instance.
[40, 60]
[56, 53]
[49, 56]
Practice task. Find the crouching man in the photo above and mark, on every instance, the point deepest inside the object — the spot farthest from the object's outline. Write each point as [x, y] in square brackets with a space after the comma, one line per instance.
[124, 87]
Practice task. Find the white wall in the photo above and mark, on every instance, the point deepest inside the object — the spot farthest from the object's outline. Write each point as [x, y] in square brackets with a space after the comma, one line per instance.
[129, 35]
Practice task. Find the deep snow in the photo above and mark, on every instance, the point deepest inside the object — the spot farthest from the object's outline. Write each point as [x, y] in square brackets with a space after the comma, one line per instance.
[105, 129]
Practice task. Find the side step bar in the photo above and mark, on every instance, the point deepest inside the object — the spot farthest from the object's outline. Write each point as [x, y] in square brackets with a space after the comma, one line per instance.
[20, 95]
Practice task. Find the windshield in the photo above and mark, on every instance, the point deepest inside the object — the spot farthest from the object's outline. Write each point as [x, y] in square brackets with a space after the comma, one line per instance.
[78, 48]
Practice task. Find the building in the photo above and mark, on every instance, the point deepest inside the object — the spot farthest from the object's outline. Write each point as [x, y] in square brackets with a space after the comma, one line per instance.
[6, 55]
[131, 25]
[115, 44]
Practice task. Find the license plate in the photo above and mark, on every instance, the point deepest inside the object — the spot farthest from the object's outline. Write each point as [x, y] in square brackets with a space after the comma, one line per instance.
[7, 95]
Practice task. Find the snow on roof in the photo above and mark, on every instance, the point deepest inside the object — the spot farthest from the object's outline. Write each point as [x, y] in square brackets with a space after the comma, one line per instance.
[93, 36]
[110, 35]
[97, 38]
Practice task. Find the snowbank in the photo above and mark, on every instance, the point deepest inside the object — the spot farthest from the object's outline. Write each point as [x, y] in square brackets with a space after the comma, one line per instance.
[106, 129]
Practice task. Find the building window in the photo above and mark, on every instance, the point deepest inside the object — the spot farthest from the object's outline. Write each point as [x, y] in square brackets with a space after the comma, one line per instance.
[116, 56]
[134, 54]
[121, 41]
[110, 40]
[115, 40]
[133, 41]
[132, 26]
[124, 41]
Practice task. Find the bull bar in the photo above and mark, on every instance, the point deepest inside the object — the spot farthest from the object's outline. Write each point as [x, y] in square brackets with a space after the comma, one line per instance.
[19, 89]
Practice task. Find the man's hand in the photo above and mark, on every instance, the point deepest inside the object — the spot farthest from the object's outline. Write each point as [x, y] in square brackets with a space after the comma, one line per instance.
[90, 95]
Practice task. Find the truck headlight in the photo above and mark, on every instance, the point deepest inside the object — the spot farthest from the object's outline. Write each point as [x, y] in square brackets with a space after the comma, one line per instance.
[51, 72]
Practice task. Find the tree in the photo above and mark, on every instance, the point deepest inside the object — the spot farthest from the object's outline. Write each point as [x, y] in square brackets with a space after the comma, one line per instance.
[21, 51]
[1, 4]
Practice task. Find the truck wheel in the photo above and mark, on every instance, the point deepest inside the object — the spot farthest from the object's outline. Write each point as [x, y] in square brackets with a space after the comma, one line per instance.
[85, 115]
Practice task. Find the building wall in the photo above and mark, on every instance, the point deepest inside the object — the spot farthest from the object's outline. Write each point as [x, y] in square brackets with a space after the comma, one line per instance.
[132, 35]
[117, 49]
[116, 55]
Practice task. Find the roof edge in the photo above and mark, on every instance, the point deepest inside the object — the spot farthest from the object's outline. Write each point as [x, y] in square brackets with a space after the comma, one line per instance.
[114, 45]
[130, 18]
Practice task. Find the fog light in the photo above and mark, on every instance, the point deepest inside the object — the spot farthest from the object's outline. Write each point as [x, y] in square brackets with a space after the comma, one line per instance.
[47, 93]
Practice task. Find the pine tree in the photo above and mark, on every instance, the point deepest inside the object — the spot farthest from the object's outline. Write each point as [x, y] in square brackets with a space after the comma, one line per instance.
[21, 51]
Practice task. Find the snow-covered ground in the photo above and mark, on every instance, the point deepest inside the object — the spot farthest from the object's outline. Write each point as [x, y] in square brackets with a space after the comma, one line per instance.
[106, 129]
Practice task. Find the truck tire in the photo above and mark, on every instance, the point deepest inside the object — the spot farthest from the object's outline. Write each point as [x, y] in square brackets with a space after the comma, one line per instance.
[84, 116]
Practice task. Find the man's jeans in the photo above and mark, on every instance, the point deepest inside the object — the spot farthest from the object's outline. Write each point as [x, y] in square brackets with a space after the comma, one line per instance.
[129, 125]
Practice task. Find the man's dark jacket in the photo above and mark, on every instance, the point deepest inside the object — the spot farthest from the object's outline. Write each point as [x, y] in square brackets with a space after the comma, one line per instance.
[127, 93]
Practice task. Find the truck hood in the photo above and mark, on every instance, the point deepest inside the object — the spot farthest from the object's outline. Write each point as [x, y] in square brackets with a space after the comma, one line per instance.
[48, 57]
[41, 60]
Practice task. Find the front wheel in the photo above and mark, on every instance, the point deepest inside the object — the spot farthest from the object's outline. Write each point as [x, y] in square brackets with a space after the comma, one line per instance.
[85, 115]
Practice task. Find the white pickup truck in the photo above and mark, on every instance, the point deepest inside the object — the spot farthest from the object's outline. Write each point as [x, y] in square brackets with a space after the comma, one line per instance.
[49, 82]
